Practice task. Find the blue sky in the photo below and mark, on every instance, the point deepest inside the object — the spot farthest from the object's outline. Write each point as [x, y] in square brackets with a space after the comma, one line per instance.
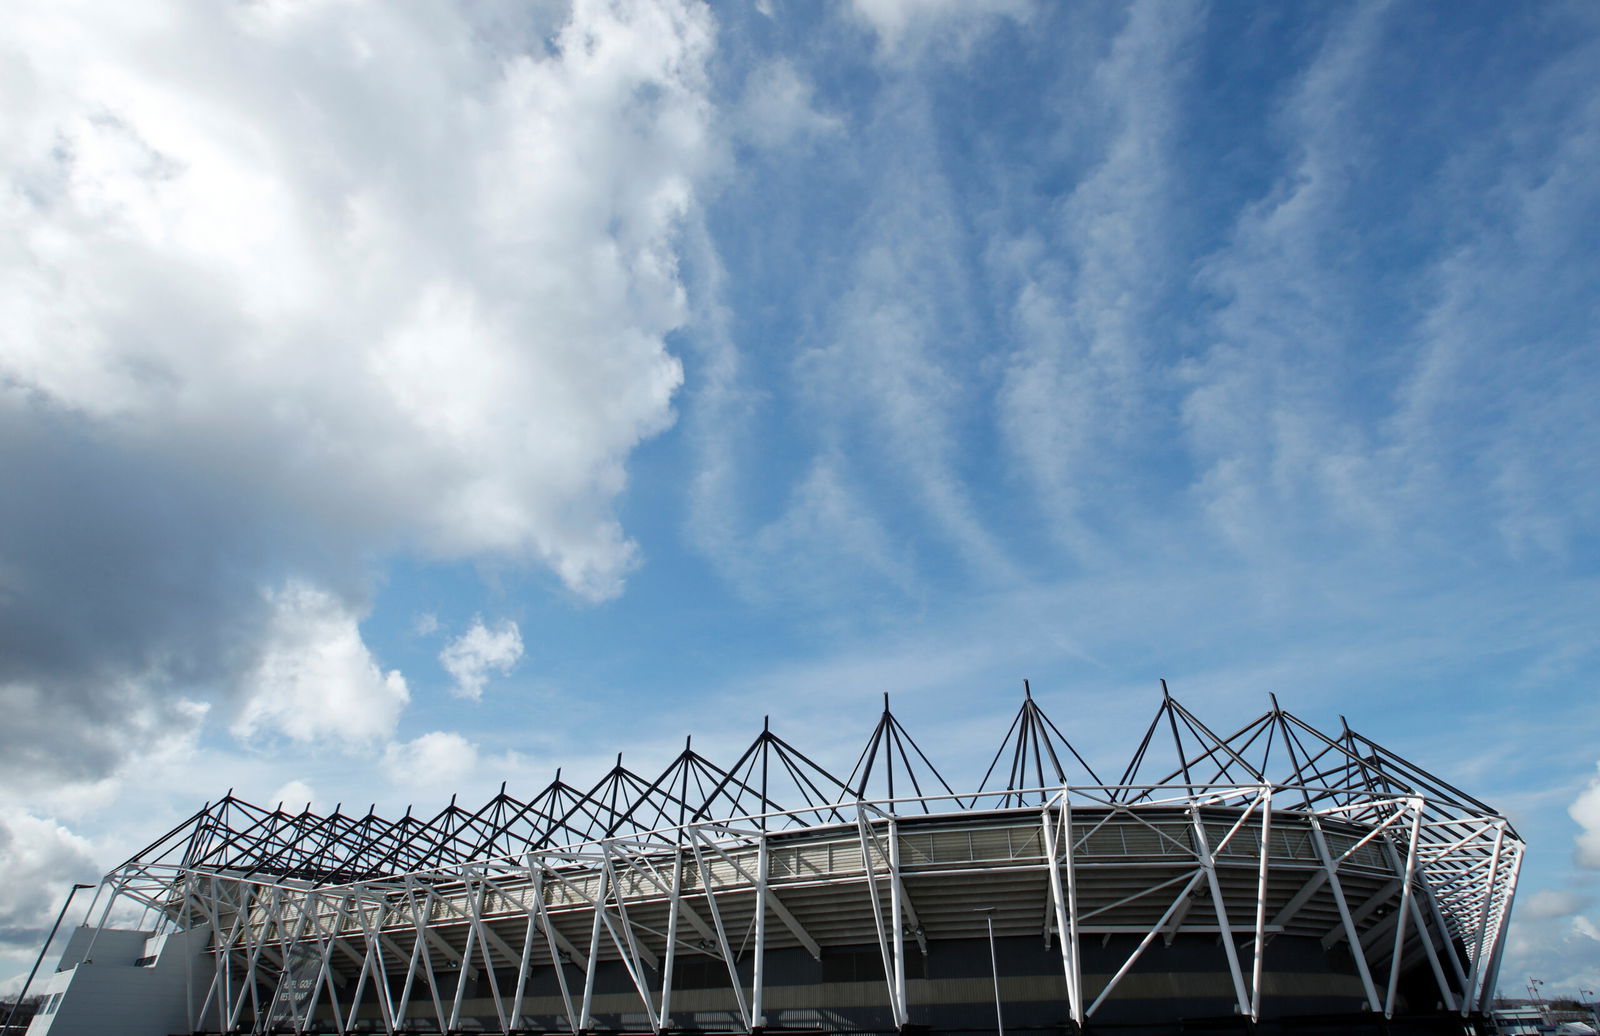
[396, 402]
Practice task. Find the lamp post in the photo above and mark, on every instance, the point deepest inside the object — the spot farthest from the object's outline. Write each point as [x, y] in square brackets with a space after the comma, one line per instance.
[1593, 1011]
[994, 969]
[42, 951]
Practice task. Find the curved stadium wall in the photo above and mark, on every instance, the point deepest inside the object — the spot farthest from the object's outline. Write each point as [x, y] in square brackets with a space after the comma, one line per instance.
[1276, 879]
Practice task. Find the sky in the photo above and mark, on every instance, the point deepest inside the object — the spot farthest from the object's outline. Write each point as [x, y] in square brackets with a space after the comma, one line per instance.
[401, 399]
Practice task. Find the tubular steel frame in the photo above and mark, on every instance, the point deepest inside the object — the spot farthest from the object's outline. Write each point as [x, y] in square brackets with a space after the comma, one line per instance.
[314, 919]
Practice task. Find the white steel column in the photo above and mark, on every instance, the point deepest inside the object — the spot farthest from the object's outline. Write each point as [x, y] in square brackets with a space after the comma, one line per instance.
[420, 919]
[488, 940]
[1446, 994]
[1478, 955]
[526, 964]
[1258, 965]
[371, 965]
[555, 952]
[585, 1019]
[1445, 937]
[466, 958]
[1350, 932]
[627, 946]
[1220, 907]
[1493, 976]
[676, 899]
[1406, 905]
[870, 866]
[220, 990]
[272, 918]
[897, 916]
[284, 941]
[386, 996]
[188, 956]
[325, 967]
[716, 921]
[758, 984]
[1065, 901]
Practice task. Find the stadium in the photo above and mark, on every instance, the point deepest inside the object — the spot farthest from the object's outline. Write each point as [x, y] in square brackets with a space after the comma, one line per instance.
[1276, 879]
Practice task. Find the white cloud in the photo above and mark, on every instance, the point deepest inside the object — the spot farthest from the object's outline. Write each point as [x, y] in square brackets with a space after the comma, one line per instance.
[1586, 811]
[1547, 903]
[294, 796]
[471, 657]
[39, 860]
[891, 382]
[903, 26]
[777, 109]
[436, 760]
[227, 228]
[315, 679]
[1261, 416]
[1489, 343]
[826, 545]
[1077, 397]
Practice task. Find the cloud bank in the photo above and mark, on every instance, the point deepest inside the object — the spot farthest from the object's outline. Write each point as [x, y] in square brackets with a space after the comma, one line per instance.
[287, 287]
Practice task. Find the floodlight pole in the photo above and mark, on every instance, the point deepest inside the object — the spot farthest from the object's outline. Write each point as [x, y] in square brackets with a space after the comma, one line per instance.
[42, 951]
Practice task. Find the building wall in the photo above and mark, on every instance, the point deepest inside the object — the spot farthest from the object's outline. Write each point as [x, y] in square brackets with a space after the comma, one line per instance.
[130, 983]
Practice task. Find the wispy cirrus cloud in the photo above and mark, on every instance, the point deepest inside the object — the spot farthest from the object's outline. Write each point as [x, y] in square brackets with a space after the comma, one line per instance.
[1083, 394]
[1266, 411]
[907, 30]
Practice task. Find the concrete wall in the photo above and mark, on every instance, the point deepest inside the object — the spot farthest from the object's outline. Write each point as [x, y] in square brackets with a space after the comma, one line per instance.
[131, 983]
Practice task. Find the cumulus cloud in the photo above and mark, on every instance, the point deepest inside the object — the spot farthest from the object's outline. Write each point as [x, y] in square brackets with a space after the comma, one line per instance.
[471, 657]
[284, 283]
[39, 860]
[315, 679]
[1586, 811]
[1547, 903]
[197, 252]
[294, 795]
[434, 760]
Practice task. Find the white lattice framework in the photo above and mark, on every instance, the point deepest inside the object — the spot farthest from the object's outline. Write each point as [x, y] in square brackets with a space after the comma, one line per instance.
[334, 922]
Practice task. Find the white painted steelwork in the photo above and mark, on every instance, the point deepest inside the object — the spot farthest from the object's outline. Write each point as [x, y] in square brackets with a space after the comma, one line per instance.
[338, 922]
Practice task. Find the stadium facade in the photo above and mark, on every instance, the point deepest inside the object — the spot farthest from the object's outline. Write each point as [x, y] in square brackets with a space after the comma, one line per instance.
[1276, 879]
